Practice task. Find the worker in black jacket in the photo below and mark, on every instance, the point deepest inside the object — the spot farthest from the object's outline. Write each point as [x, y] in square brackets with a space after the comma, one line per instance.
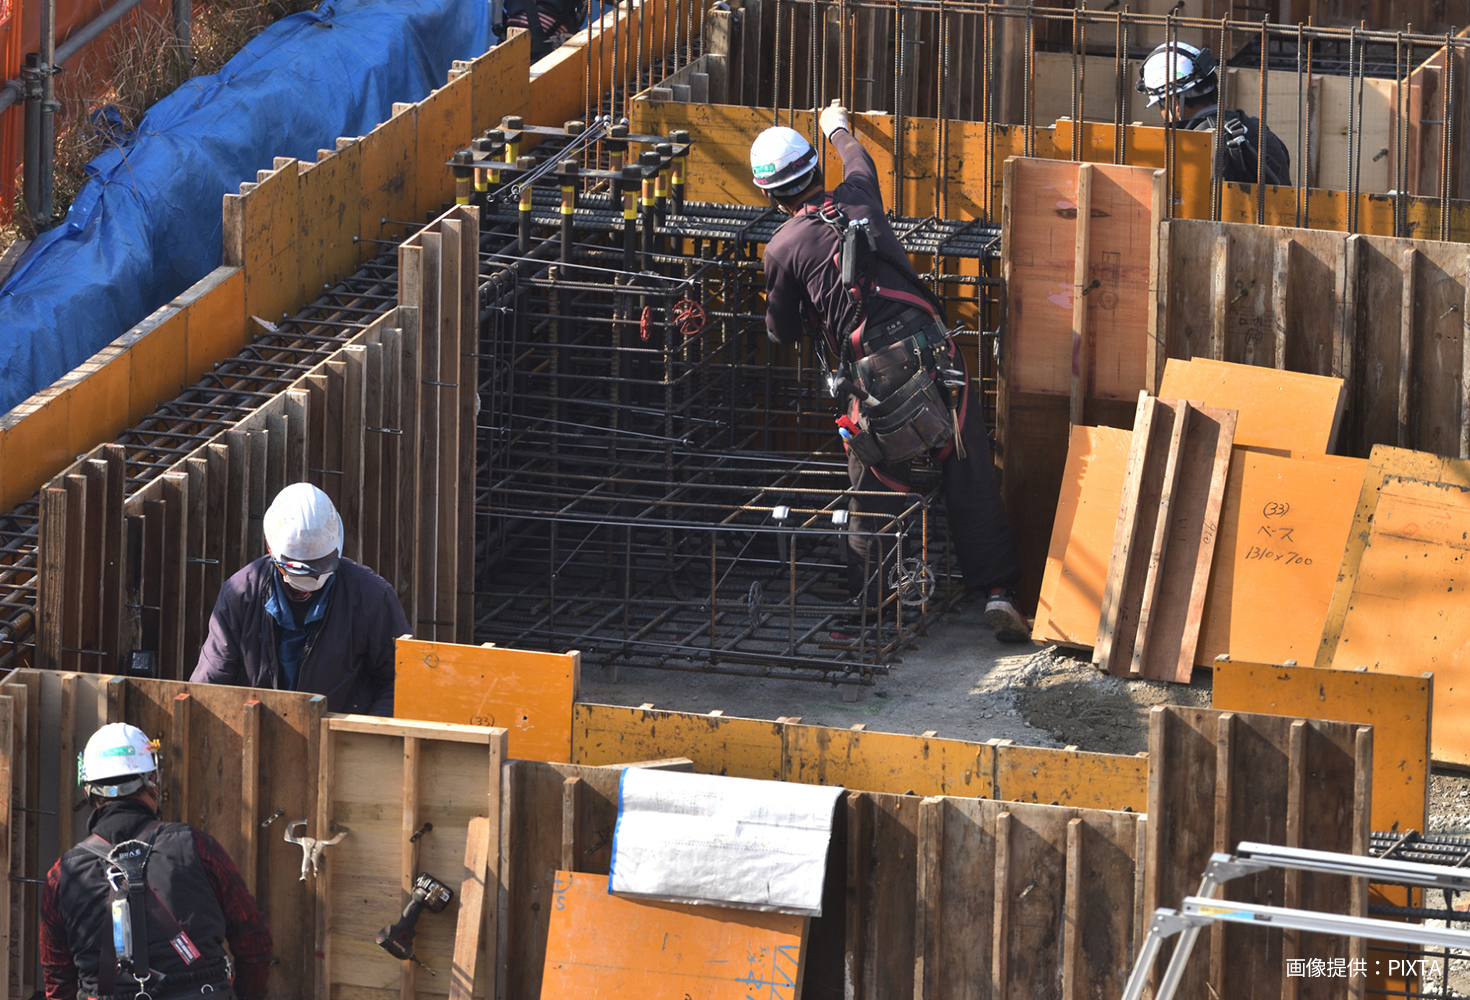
[892, 363]
[1181, 79]
[143, 908]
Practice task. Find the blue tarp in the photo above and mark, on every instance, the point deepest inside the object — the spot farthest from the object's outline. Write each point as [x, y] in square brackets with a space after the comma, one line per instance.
[146, 225]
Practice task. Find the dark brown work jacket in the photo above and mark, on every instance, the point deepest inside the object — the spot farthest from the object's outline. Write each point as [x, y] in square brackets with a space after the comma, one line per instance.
[802, 273]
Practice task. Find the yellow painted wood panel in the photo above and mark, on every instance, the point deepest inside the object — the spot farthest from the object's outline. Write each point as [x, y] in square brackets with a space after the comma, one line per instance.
[443, 128]
[389, 179]
[37, 442]
[160, 364]
[887, 762]
[501, 82]
[718, 744]
[1071, 778]
[1289, 411]
[100, 394]
[1082, 536]
[613, 948]
[1398, 709]
[1407, 611]
[331, 197]
[1283, 528]
[528, 693]
[218, 326]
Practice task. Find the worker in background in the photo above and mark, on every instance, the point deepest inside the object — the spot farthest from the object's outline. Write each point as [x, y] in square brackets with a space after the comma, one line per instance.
[836, 267]
[302, 618]
[142, 907]
[1191, 102]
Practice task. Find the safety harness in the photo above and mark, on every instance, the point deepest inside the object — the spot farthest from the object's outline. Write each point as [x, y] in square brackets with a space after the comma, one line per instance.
[131, 904]
[1242, 147]
[904, 397]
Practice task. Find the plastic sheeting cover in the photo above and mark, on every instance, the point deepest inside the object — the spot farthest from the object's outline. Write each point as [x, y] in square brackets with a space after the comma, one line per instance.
[147, 225]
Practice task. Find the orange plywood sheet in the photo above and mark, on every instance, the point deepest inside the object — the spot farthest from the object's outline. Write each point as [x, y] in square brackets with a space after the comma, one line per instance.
[217, 320]
[1082, 536]
[100, 399]
[160, 366]
[1283, 528]
[1287, 411]
[500, 82]
[605, 946]
[1042, 277]
[443, 128]
[528, 693]
[389, 178]
[1407, 613]
[888, 762]
[1398, 709]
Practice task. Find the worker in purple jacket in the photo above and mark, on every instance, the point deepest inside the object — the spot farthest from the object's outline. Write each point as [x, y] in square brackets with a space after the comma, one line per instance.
[302, 618]
[836, 270]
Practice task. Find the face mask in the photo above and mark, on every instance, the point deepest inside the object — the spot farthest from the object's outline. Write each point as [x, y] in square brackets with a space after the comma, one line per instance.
[307, 584]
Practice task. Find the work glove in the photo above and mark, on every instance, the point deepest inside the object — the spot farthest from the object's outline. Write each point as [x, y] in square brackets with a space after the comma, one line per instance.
[833, 119]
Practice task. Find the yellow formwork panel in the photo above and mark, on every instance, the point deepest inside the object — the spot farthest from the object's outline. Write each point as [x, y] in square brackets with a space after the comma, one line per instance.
[529, 694]
[389, 178]
[160, 363]
[500, 84]
[217, 321]
[718, 744]
[443, 128]
[36, 442]
[104, 384]
[331, 191]
[888, 762]
[262, 237]
[1399, 708]
[1071, 778]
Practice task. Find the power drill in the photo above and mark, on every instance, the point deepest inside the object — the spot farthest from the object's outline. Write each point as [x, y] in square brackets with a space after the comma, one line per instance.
[428, 894]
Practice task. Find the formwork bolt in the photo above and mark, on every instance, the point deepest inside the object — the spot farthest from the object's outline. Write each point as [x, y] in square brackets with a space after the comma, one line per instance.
[679, 136]
[618, 131]
[513, 123]
[575, 127]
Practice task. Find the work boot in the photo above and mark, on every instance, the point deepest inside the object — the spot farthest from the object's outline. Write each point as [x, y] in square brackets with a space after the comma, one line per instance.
[1002, 615]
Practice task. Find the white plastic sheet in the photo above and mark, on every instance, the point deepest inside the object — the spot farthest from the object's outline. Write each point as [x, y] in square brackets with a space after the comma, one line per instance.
[696, 838]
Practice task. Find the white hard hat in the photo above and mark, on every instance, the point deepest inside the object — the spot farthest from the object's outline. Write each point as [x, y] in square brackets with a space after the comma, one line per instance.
[1180, 68]
[117, 760]
[303, 531]
[780, 158]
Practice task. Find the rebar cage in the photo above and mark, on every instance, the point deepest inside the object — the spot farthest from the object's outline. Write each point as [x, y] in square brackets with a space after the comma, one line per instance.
[659, 485]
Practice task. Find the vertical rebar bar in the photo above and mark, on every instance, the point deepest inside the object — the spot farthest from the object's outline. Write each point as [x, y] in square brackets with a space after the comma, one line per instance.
[1354, 130]
[1262, 129]
[1446, 147]
[1302, 82]
[775, 69]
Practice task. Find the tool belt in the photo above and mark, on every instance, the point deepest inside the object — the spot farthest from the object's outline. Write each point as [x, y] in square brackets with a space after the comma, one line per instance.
[908, 411]
[213, 982]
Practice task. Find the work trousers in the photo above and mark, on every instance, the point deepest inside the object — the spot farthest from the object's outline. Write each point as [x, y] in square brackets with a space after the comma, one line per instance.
[979, 529]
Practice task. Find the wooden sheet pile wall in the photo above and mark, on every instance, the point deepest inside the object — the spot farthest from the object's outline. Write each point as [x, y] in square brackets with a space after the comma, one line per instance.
[287, 234]
[380, 426]
[1385, 315]
[1229, 777]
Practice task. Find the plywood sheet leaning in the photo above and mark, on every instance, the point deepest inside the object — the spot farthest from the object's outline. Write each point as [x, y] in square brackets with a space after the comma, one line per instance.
[403, 796]
[1251, 295]
[529, 694]
[1284, 411]
[622, 949]
[1398, 708]
[1282, 532]
[1402, 591]
[1164, 542]
[1082, 537]
[1218, 778]
[1077, 241]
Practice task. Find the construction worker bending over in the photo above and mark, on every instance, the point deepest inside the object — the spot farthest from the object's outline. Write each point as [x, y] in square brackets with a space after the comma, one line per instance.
[1191, 102]
[143, 908]
[302, 618]
[891, 361]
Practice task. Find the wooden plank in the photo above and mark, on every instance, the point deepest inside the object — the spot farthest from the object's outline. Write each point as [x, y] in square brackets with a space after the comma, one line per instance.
[237, 524]
[1081, 539]
[51, 594]
[887, 762]
[1283, 527]
[1137, 515]
[353, 421]
[607, 946]
[173, 582]
[723, 744]
[882, 894]
[372, 490]
[113, 557]
[471, 910]
[374, 797]
[1072, 778]
[1081, 341]
[529, 693]
[195, 609]
[1286, 411]
[1399, 707]
[10, 914]
[446, 398]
